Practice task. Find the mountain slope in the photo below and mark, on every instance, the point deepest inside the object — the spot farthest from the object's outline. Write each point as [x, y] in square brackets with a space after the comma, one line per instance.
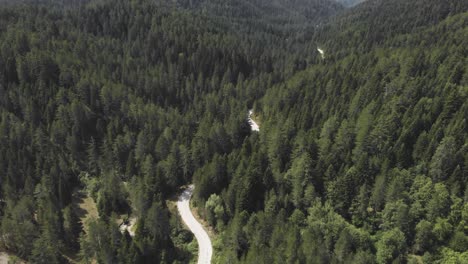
[362, 156]
[374, 22]
[122, 101]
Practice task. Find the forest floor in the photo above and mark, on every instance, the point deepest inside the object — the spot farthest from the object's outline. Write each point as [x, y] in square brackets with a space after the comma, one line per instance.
[205, 248]
[85, 208]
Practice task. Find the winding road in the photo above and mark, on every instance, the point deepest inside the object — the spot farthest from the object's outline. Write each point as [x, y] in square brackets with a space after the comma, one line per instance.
[322, 53]
[205, 250]
[3, 258]
[253, 125]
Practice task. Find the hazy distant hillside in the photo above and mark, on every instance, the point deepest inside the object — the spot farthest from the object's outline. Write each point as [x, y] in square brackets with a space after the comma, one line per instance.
[293, 9]
[350, 3]
[42, 1]
[375, 21]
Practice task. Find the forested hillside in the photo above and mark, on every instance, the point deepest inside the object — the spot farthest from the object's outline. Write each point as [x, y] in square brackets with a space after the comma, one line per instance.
[122, 101]
[361, 158]
[362, 155]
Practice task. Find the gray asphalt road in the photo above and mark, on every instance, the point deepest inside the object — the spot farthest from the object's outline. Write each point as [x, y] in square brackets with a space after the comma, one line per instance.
[205, 250]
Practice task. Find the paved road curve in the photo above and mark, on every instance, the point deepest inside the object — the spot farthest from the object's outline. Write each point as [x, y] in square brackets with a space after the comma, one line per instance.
[3, 258]
[322, 53]
[253, 125]
[205, 250]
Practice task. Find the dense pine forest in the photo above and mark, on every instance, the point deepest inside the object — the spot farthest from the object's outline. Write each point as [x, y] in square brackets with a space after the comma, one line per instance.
[108, 108]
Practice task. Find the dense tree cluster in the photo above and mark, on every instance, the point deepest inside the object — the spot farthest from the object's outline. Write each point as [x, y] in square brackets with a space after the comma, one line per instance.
[361, 157]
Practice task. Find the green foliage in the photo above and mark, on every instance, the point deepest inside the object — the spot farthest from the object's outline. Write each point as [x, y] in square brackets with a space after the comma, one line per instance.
[18, 226]
[215, 210]
[390, 247]
[443, 161]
